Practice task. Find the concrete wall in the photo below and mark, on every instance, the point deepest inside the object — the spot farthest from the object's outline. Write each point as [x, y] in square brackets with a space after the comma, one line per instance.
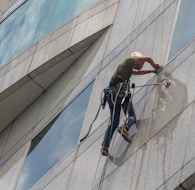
[161, 155]
[5, 4]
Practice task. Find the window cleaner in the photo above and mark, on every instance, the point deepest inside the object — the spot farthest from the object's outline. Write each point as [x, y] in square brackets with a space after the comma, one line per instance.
[119, 96]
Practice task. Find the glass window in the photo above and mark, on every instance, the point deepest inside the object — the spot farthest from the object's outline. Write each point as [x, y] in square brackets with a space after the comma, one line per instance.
[33, 20]
[185, 27]
[56, 140]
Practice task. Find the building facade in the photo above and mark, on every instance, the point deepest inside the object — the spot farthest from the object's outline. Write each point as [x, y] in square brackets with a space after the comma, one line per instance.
[56, 58]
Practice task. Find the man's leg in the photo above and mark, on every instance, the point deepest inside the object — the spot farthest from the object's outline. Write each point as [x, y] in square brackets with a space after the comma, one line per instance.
[130, 120]
[131, 112]
[114, 121]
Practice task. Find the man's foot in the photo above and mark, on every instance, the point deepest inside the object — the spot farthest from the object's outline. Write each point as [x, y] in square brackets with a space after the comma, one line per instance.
[104, 151]
[123, 131]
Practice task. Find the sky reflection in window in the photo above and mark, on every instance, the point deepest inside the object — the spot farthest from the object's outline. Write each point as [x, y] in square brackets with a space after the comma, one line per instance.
[185, 27]
[33, 20]
[59, 138]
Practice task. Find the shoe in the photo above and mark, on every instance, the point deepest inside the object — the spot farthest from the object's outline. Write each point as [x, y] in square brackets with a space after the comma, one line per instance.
[104, 151]
[123, 131]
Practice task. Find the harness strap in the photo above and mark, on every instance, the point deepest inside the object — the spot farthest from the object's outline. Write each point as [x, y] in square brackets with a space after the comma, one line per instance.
[116, 79]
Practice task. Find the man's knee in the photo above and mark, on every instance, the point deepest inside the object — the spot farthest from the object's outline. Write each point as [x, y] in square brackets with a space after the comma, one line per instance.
[131, 120]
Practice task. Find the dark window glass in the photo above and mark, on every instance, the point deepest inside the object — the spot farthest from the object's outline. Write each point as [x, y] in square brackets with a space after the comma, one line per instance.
[55, 141]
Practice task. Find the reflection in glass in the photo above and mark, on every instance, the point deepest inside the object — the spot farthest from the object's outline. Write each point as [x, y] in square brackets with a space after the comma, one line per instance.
[33, 20]
[185, 27]
[56, 140]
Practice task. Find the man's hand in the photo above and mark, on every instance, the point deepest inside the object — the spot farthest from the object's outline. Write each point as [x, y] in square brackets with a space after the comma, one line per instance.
[159, 69]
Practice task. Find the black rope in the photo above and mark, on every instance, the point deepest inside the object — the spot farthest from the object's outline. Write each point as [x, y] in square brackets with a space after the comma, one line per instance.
[91, 124]
[98, 111]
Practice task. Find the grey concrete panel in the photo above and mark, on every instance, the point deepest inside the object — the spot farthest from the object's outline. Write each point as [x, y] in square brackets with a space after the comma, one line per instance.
[60, 182]
[96, 9]
[21, 126]
[59, 38]
[172, 141]
[189, 183]
[95, 100]
[93, 137]
[45, 52]
[126, 14]
[169, 103]
[9, 172]
[3, 138]
[159, 157]
[5, 4]
[96, 52]
[100, 21]
[51, 74]
[149, 10]
[190, 149]
[51, 96]
[187, 170]
[53, 101]
[48, 51]
[126, 176]
[24, 59]
[15, 103]
[49, 102]
[87, 165]
[171, 183]
[15, 72]
[157, 45]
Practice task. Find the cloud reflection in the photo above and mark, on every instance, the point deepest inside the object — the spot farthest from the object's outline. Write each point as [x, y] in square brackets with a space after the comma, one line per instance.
[60, 139]
[23, 27]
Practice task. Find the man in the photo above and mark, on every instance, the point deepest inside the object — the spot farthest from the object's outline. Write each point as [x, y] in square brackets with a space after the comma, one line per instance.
[118, 95]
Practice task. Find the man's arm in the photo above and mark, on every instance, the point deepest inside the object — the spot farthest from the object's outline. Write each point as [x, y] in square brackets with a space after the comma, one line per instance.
[149, 60]
[142, 60]
[143, 72]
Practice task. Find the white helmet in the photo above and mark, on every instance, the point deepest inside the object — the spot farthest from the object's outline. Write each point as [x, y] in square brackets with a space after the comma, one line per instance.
[136, 54]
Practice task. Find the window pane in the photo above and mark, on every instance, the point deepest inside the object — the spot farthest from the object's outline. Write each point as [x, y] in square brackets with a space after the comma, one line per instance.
[33, 20]
[185, 27]
[59, 138]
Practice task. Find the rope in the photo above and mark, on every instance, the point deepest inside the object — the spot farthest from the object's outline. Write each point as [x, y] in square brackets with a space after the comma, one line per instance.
[129, 104]
[96, 171]
[98, 111]
[91, 124]
[104, 168]
[166, 84]
[126, 114]
[103, 175]
[113, 112]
